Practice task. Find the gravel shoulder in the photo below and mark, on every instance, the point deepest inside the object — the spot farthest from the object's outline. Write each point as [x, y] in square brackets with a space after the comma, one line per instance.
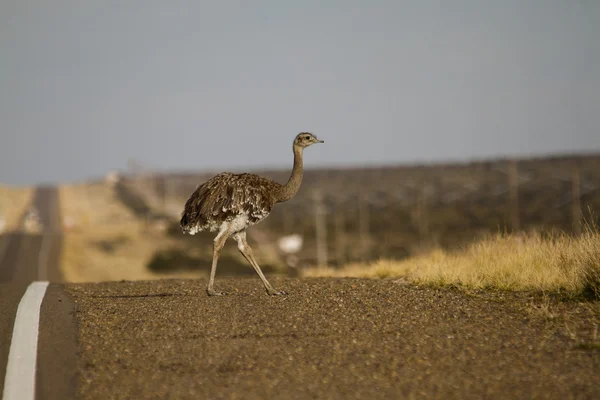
[331, 338]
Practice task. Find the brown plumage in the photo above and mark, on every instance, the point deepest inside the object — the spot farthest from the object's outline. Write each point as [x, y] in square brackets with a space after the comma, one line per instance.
[230, 203]
[226, 195]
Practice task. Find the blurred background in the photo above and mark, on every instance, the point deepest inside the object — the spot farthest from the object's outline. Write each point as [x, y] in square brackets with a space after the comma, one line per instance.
[443, 122]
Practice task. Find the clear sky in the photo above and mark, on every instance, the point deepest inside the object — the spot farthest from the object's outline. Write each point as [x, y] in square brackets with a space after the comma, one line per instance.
[86, 86]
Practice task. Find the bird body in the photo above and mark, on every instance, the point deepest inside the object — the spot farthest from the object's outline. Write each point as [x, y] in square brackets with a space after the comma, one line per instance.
[230, 203]
[241, 200]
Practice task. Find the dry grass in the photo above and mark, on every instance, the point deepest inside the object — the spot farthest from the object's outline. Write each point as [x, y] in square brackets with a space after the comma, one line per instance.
[108, 242]
[13, 201]
[531, 261]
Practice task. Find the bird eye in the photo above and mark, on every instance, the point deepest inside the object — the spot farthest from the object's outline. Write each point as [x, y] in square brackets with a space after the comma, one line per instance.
[306, 137]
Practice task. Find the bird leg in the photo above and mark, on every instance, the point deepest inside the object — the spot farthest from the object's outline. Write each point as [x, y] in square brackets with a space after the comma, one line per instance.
[218, 244]
[246, 251]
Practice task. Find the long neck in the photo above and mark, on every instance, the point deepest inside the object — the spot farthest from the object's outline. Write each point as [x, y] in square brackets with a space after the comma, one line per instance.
[293, 184]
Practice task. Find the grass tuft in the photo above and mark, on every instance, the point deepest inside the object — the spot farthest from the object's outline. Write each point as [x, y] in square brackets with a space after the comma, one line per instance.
[532, 261]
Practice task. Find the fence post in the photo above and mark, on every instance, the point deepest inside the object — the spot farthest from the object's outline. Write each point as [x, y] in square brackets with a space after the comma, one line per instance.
[576, 201]
[340, 236]
[320, 229]
[513, 182]
[363, 225]
[423, 221]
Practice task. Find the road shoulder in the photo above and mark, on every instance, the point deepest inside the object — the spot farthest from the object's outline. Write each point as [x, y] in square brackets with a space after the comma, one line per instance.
[58, 358]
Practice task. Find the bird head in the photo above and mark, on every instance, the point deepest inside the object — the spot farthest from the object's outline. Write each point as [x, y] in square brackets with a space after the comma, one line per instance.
[305, 139]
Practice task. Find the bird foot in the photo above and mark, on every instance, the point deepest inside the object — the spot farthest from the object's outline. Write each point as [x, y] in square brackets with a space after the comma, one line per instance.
[273, 292]
[212, 292]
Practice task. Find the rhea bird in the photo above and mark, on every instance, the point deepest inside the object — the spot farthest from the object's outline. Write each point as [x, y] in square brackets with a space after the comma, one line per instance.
[230, 203]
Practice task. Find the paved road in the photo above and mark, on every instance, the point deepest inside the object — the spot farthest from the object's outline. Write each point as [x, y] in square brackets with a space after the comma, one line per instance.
[27, 257]
[330, 339]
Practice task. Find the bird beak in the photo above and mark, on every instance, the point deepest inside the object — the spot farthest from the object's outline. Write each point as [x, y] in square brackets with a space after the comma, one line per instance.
[320, 141]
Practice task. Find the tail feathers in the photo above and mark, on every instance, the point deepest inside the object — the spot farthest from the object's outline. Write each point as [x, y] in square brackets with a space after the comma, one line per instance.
[184, 221]
[188, 226]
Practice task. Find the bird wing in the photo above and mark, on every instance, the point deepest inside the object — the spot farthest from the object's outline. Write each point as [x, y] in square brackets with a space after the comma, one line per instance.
[245, 193]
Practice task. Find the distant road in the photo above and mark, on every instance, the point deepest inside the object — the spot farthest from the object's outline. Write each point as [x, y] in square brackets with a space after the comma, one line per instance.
[24, 258]
[28, 257]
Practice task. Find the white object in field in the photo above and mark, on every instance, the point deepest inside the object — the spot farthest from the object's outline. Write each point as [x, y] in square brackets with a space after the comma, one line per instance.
[290, 244]
[2, 223]
[112, 178]
[68, 223]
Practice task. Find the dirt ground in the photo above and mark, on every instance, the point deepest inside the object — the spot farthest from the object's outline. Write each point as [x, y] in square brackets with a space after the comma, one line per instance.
[331, 338]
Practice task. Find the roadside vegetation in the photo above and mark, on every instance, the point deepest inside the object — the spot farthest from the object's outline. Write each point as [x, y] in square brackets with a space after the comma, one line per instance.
[13, 202]
[555, 262]
[103, 239]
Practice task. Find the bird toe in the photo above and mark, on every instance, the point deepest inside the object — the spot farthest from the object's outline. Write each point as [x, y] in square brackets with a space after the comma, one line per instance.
[215, 293]
[276, 292]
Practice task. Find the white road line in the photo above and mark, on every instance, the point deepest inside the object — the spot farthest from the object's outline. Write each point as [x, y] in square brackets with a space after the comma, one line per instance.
[19, 382]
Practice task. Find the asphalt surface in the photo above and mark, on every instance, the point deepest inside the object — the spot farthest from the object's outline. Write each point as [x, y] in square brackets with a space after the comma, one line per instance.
[26, 257]
[329, 338]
